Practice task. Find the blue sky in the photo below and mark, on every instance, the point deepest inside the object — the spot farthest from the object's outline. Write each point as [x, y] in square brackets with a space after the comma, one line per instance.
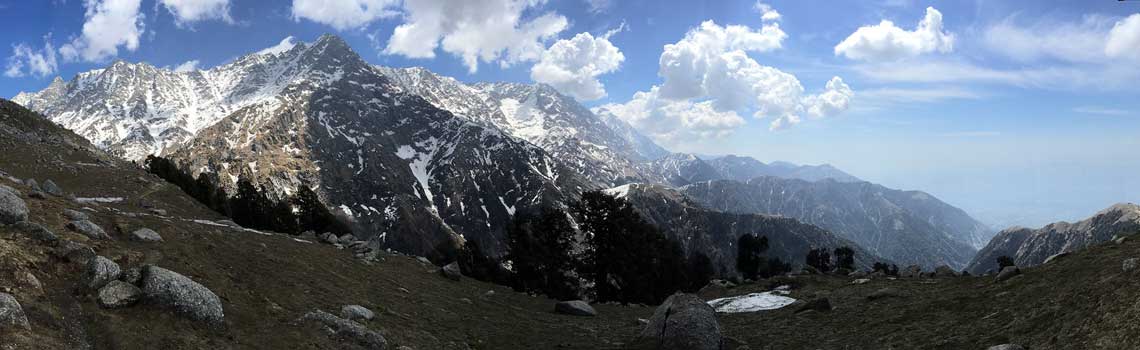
[1019, 112]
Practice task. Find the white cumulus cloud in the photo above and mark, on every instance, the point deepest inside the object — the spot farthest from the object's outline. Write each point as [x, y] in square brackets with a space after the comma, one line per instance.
[887, 42]
[188, 66]
[488, 31]
[108, 25]
[189, 11]
[26, 60]
[686, 64]
[572, 66]
[1124, 39]
[344, 14]
[767, 13]
[673, 123]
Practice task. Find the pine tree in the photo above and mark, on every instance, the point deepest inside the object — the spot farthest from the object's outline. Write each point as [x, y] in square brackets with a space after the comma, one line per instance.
[845, 258]
[820, 259]
[540, 253]
[749, 254]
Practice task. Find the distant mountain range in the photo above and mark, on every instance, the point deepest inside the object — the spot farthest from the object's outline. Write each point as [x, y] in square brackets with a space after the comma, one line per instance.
[1030, 247]
[421, 162]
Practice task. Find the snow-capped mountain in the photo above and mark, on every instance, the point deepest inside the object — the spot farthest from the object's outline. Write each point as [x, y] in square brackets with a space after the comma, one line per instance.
[540, 115]
[746, 168]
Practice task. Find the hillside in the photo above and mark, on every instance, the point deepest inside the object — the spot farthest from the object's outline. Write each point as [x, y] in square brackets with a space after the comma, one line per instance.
[1030, 247]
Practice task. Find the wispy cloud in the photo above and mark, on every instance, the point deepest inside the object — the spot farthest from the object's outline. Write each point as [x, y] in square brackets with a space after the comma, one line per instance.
[923, 95]
[1102, 110]
[975, 133]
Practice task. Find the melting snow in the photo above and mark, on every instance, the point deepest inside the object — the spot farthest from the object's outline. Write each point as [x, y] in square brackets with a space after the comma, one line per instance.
[99, 200]
[751, 302]
[619, 192]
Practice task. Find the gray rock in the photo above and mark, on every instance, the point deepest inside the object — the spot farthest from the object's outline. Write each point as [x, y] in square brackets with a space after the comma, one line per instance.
[861, 281]
[356, 312]
[88, 228]
[884, 293]
[1130, 264]
[347, 239]
[682, 322]
[424, 261]
[11, 313]
[1007, 273]
[37, 232]
[32, 184]
[156, 211]
[10, 189]
[75, 215]
[858, 274]
[145, 235]
[118, 294]
[12, 208]
[820, 304]
[187, 298]
[99, 272]
[345, 331]
[575, 307]
[945, 271]
[51, 188]
[1006, 347]
[1055, 257]
[329, 237]
[451, 271]
[1120, 240]
[74, 252]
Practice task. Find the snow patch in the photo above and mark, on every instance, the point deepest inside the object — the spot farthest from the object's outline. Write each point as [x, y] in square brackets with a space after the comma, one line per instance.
[618, 192]
[751, 302]
[99, 200]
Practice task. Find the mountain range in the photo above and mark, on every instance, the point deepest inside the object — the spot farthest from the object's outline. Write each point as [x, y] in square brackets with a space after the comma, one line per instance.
[421, 162]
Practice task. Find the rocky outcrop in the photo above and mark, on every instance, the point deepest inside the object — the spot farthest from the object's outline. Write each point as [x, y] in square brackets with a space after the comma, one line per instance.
[11, 313]
[1031, 247]
[171, 290]
[88, 228]
[118, 294]
[145, 235]
[12, 207]
[353, 335]
[98, 272]
[682, 322]
[575, 307]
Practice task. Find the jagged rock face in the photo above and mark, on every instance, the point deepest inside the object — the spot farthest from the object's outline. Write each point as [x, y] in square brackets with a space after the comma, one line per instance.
[714, 233]
[746, 168]
[406, 173]
[904, 226]
[1030, 247]
[680, 169]
[537, 114]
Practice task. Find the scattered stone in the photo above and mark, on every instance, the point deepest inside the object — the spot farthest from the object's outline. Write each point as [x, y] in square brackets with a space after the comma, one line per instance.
[424, 260]
[88, 228]
[10, 189]
[308, 236]
[74, 252]
[37, 195]
[1130, 264]
[1006, 347]
[404, 290]
[682, 322]
[75, 215]
[37, 232]
[156, 211]
[884, 293]
[466, 300]
[820, 304]
[912, 271]
[945, 271]
[489, 294]
[99, 272]
[575, 307]
[809, 270]
[177, 292]
[118, 294]
[861, 281]
[28, 281]
[451, 271]
[1120, 240]
[329, 237]
[145, 235]
[51, 188]
[11, 313]
[345, 330]
[1007, 273]
[347, 239]
[32, 184]
[858, 274]
[356, 312]
[1053, 257]
[12, 208]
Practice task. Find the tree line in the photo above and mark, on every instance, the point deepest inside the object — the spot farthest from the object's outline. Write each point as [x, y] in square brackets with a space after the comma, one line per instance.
[252, 206]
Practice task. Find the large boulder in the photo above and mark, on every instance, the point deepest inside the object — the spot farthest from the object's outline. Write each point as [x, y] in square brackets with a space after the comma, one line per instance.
[12, 208]
[11, 313]
[911, 271]
[820, 304]
[945, 271]
[98, 272]
[145, 235]
[682, 322]
[32, 184]
[88, 228]
[451, 271]
[356, 312]
[75, 215]
[118, 294]
[174, 291]
[1007, 273]
[330, 238]
[351, 334]
[1130, 264]
[74, 252]
[51, 188]
[575, 307]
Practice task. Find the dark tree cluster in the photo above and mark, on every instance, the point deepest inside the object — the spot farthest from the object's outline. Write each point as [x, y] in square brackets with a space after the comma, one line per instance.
[845, 258]
[1004, 261]
[751, 261]
[251, 206]
[820, 259]
[614, 255]
[889, 270]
